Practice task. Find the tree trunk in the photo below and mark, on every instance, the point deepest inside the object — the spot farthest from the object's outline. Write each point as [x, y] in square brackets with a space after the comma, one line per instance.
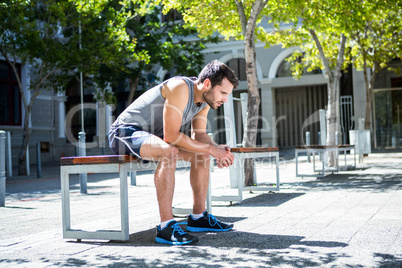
[333, 90]
[367, 120]
[22, 168]
[332, 117]
[369, 94]
[248, 27]
[250, 135]
[133, 88]
[22, 158]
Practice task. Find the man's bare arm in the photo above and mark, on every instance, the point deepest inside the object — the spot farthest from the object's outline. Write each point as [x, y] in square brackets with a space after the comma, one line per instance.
[176, 95]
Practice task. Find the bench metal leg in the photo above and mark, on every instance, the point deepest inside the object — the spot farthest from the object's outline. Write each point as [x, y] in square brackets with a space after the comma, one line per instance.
[124, 203]
[68, 232]
[65, 199]
[133, 178]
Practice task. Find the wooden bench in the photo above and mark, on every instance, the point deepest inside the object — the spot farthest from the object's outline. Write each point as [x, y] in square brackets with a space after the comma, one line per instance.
[121, 164]
[322, 151]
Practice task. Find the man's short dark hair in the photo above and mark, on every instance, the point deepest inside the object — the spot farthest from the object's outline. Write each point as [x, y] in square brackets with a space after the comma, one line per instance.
[216, 71]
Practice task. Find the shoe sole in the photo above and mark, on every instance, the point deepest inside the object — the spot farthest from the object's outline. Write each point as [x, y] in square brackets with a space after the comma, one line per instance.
[163, 241]
[200, 229]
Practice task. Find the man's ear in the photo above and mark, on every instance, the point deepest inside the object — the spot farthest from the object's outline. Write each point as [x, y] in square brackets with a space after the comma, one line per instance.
[207, 84]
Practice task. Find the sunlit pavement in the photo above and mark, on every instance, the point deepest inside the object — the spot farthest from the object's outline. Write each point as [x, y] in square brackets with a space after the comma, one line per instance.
[348, 219]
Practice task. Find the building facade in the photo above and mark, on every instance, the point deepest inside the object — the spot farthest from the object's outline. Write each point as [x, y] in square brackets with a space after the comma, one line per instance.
[288, 107]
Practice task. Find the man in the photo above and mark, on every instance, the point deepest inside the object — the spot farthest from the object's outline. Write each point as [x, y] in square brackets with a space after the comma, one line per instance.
[150, 129]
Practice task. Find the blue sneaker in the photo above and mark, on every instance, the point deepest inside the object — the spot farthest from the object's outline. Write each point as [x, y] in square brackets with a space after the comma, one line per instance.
[172, 234]
[208, 223]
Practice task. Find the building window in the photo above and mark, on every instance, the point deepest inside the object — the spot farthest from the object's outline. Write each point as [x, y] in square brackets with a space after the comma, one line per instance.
[285, 70]
[172, 15]
[10, 97]
[238, 65]
[74, 98]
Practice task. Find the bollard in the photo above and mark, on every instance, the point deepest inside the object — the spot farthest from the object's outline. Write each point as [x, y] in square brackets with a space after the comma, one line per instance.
[82, 152]
[323, 127]
[336, 137]
[319, 138]
[8, 154]
[2, 168]
[27, 162]
[38, 161]
[308, 144]
[319, 143]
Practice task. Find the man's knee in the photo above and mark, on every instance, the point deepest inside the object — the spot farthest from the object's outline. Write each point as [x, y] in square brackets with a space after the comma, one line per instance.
[170, 153]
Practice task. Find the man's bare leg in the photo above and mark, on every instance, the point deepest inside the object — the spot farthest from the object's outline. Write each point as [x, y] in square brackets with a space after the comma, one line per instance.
[199, 178]
[156, 149]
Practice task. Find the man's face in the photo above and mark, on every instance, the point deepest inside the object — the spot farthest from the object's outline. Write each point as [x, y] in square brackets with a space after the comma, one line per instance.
[219, 94]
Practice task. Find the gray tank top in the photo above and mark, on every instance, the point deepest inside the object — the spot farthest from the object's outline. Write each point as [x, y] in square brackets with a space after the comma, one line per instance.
[146, 112]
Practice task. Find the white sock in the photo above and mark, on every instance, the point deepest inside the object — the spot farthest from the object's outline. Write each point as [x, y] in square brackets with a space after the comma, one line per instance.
[197, 216]
[165, 223]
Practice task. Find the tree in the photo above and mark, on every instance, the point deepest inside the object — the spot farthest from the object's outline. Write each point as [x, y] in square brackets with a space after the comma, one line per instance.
[320, 29]
[45, 34]
[377, 36]
[165, 43]
[373, 29]
[234, 19]
[119, 40]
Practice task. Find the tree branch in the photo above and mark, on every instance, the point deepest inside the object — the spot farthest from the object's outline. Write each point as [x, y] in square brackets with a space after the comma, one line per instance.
[256, 9]
[38, 86]
[5, 55]
[242, 15]
[324, 60]
[341, 53]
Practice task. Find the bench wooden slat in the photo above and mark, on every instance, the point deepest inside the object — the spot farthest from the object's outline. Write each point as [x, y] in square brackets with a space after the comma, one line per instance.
[345, 145]
[107, 159]
[323, 146]
[316, 146]
[253, 149]
[98, 159]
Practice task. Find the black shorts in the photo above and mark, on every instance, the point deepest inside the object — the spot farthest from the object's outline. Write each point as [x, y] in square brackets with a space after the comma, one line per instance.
[127, 140]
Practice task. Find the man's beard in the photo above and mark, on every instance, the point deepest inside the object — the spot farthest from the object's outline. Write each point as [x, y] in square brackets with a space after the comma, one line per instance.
[210, 102]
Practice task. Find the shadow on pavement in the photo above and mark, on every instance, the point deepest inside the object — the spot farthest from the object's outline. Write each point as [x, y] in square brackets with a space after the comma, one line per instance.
[268, 200]
[213, 250]
[356, 182]
[388, 260]
[195, 256]
[231, 239]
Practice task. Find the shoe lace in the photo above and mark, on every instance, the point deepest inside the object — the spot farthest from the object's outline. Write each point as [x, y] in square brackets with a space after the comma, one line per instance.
[212, 220]
[176, 228]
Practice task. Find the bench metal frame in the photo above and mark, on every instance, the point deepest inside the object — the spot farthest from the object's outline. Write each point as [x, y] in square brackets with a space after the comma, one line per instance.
[322, 151]
[241, 154]
[121, 166]
[343, 149]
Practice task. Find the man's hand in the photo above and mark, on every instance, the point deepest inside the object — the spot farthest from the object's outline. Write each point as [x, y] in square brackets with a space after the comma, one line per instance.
[223, 156]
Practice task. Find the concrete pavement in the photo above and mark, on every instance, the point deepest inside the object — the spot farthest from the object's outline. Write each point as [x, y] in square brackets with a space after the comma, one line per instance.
[349, 219]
